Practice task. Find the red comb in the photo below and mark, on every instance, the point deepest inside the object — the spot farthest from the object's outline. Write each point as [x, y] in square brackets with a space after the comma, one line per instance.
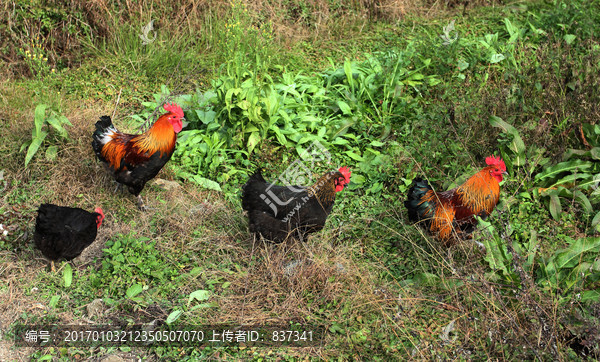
[346, 172]
[495, 161]
[174, 108]
[99, 211]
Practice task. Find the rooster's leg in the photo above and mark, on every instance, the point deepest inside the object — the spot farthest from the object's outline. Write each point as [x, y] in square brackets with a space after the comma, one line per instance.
[117, 187]
[140, 203]
[52, 268]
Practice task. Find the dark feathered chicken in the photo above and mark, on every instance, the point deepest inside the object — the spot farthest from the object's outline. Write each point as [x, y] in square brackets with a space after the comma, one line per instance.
[63, 232]
[279, 212]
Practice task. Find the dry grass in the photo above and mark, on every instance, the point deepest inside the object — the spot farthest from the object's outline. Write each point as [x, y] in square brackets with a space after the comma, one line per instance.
[90, 23]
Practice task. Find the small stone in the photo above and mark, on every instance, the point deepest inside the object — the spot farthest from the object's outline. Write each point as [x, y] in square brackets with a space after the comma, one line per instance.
[95, 308]
[113, 358]
[166, 184]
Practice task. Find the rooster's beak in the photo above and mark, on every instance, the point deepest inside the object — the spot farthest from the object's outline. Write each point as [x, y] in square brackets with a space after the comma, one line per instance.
[505, 173]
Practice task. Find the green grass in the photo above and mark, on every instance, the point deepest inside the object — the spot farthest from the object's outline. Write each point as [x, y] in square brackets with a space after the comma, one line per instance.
[392, 101]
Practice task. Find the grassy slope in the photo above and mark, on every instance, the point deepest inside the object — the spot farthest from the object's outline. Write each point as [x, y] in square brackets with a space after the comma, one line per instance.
[380, 285]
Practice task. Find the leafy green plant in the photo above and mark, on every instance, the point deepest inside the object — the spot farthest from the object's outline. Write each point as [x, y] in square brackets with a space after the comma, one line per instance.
[68, 275]
[350, 110]
[514, 152]
[42, 126]
[567, 271]
[573, 268]
[201, 296]
[132, 265]
[200, 154]
[577, 177]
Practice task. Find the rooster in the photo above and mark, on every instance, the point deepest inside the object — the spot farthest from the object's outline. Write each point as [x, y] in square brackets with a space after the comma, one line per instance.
[133, 160]
[63, 232]
[456, 209]
[279, 212]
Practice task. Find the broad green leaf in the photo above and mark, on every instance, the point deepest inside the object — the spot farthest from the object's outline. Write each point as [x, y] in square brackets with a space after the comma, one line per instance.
[590, 295]
[321, 132]
[343, 129]
[34, 146]
[583, 200]
[496, 254]
[593, 153]
[496, 58]
[570, 256]
[344, 107]
[280, 136]
[513, 30]
[204, 305]
[67, 275]
[354, 156]
[253, 140]
[284, 115]
[173, 316]
[250, 129]
[596, 220]
[524, 195]
[24, 145]
[40, 115]
[206, 183]
[532, 244]
[134, 290]
[496, 121]
[568, 166]
[416, 77]
[229, 96]
[555, 208]
[517, 145]
[358, 179]
[569, 38]
[348, 72]
[54, 301]
[206, 117]
[582, 180]
[57, 124]
[51, 153]
[199, 295]
[340, 141]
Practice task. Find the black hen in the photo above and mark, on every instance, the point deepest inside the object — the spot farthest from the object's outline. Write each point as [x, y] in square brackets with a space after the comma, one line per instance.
[63, 232]
[279, 212]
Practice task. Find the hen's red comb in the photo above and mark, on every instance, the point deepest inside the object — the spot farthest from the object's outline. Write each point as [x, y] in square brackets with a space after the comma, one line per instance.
[99, 211]
[174, 108]
[495, 161]
[346, 172]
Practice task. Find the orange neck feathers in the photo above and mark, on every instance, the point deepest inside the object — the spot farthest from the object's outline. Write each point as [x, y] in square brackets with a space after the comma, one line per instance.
[161, 137]
[480, 192]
